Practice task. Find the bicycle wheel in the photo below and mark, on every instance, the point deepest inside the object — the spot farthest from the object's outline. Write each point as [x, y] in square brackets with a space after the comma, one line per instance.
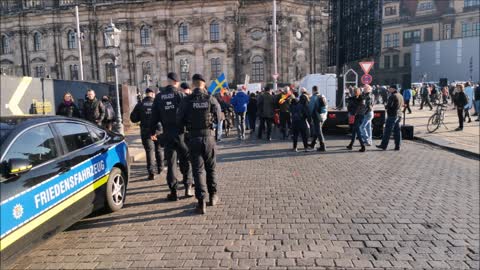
[433, 123]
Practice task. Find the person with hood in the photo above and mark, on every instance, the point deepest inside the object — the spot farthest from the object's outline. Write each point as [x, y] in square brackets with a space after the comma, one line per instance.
[318, 108]
[197, 113]
[164, 111]
[300, 120]
[109, 118]
[266, 112]
[143, 113]
[239, 103]
[93, 109]
[356, 110]
[68, 107]
[252, 112]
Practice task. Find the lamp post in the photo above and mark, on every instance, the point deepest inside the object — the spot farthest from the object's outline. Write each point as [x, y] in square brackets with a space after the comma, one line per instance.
[112, 40]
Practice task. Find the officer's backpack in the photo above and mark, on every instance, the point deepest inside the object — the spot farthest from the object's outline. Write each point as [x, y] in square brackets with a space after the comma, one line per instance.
[109, 112]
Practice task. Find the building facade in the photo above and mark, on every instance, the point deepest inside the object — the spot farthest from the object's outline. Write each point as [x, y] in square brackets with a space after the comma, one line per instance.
[38, 38]
[409, 22]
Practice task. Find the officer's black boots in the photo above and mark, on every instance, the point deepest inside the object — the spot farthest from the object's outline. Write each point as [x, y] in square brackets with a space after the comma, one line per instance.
[159, 170]
[151, 176]
[189, 191]
[213, 199]
[201, 207]
[172, 196]
[322, 148]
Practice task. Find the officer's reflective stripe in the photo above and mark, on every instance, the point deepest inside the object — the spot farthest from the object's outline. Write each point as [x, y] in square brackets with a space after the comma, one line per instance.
[7, 241]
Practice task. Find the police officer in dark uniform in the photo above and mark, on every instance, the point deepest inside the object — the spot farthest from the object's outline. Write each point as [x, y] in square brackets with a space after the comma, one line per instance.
[164, 110]
[197, 113]
[143, 113]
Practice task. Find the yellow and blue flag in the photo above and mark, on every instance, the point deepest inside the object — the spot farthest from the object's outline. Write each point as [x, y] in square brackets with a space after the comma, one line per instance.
[218, 84]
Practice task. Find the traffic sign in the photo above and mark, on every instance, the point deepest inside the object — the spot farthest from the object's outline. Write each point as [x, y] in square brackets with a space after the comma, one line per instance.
[367, 79]
[366, 66]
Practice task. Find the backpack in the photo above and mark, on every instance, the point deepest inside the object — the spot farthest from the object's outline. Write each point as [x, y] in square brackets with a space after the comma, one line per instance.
[109, 112]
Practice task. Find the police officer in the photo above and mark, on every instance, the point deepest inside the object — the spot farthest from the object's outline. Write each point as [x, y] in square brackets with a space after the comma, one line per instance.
[164, 110]
[198, 112]
[143, 113]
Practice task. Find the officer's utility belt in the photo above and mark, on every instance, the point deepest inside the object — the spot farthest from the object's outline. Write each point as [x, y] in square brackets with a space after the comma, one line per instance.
[201, 132]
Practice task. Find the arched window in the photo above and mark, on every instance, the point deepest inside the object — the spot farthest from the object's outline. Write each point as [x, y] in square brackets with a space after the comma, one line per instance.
[109, 72]
[37, 41]
[216, 68]
[145, 36]
[73, 72]
[72, 39]
[146, 69]
[258, 70]
[214, 31]
[183, 33]
[4, 45]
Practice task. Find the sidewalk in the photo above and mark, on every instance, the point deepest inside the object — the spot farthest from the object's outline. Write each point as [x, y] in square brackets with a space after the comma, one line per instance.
[466, 141]
[135, 147]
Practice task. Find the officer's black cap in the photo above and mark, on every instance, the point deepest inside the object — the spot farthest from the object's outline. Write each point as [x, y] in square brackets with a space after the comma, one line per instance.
[172, 76]
[198, 77]
[184, 85]
[148, 90]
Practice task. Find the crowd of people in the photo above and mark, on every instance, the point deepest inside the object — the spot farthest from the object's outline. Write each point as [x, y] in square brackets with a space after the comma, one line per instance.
[181, 125]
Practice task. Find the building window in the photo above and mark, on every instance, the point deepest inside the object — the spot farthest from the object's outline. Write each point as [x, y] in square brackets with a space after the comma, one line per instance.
[423, 6]
[428, 34]
[437, 53]
[386, 61]
[417, 55]
[39, 71]
[37, 41]
[72, 39]
[406, 59]
[447, 31]
[73, 72]
[109, 72]
[396, 40]
[216, 68]
[471, 3]
[387, 42]
[390, 11]
[184, 70]
[145, 36]
[258, 70]
[410, 37]
[4, 45]
[31, 3]
[183, 33]
[395, 60]
[459, 51]
[466, 31]
[66, 2]
[146, 70]
[214, 31]
[476, 29]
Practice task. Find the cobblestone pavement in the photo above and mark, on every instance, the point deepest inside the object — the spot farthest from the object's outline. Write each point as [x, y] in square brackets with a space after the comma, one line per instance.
[417, 208]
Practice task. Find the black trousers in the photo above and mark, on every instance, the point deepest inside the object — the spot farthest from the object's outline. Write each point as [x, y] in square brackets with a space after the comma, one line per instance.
[152, 149]
[407, 106]
[299, 129]
[203, 158]
[426, 100]
[176, 145]
[460, 112]
[265, 121]
[285, 123]
[252, 118]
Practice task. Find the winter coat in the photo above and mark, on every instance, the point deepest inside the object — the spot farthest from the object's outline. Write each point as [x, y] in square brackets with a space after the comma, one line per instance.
[70, 110]
[240, 102]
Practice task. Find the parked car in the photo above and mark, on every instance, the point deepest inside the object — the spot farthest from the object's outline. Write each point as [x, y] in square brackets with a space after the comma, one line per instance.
[53, 172]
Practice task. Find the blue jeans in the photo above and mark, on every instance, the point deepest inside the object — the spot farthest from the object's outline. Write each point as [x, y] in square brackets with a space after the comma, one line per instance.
[366, 128]
[356, 130]
[392, 124]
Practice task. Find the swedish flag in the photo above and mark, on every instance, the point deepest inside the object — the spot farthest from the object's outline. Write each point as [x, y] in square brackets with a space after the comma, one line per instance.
[218, 84]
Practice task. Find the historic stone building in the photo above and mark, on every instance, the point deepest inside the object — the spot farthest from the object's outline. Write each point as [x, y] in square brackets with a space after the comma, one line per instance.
[38, 38]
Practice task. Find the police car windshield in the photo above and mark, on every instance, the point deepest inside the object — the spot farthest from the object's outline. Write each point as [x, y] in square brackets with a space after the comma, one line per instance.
[4, 131]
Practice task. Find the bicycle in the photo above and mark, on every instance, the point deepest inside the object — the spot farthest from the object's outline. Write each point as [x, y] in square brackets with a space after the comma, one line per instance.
[437, 118]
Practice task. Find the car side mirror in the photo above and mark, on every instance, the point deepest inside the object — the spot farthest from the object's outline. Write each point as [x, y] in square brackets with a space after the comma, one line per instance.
[18, 166]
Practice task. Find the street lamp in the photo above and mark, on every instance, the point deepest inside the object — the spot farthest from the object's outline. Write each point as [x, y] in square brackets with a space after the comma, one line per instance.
[112, 40]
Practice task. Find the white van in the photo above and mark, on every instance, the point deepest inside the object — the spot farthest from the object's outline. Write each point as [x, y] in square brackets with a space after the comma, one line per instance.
[326, 83]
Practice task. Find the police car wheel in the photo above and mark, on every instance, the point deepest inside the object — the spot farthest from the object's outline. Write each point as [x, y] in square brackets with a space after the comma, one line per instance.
[116, 190]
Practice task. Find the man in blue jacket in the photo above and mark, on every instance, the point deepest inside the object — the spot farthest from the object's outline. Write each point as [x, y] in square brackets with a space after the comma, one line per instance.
[239, 103]
[407, 96]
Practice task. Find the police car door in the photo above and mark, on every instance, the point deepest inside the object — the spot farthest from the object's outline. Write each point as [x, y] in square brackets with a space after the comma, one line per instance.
[37, 151]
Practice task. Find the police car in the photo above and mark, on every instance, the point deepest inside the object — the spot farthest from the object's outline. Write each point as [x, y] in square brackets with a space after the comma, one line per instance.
[53, 172]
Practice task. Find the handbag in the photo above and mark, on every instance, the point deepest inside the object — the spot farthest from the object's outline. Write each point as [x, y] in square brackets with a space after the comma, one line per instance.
[351, 119]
